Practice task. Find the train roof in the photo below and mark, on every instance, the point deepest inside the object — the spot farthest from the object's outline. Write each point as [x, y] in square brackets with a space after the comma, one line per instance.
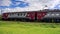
[18, 11]
[45, 10]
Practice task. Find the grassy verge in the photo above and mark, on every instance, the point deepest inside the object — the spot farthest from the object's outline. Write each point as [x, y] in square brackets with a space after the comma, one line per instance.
[17, 27]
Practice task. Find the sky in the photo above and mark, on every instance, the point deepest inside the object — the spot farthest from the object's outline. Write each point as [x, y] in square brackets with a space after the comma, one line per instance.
[28, 5]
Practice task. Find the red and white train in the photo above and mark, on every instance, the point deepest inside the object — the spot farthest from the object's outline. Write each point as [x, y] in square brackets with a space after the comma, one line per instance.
[42, 15]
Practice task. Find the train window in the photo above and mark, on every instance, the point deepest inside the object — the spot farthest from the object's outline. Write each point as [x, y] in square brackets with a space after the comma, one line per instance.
[11, 14]
[18, 14]
[24, 14]
[21, 14]
[57, 14]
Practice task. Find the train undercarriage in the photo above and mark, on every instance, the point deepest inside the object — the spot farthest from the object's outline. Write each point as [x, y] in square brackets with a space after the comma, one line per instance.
[28, 20]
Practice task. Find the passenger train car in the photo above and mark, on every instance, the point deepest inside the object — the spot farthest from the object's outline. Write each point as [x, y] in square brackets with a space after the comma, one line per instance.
[45, 15]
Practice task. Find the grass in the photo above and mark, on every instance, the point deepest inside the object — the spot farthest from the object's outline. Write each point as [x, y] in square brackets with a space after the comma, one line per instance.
[17, 27]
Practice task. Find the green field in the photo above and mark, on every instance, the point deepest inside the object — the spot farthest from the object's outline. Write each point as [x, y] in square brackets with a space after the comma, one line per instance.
[17, 27]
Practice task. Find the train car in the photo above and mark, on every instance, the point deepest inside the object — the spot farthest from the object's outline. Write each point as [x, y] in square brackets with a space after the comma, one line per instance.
[48, 15]
[52, 16]
[19, 16]
[43, 15]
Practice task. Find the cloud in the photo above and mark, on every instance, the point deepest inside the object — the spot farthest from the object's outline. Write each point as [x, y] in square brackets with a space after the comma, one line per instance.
[34, 5]
[4, 2]
[53, 4]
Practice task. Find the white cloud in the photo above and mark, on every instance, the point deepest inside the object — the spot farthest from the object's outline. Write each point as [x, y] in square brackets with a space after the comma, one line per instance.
[53, 4]
[34, 5]
[5, 2]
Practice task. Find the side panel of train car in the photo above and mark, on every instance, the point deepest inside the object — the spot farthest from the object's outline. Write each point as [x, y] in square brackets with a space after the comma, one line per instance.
[40, 15]
[48, 16]
[19, 15]
[52, 17]
[44, 16]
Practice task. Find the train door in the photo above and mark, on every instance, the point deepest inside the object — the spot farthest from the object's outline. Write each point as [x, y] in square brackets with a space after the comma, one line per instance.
[31, 15]
[40, 15]
[35, 15]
